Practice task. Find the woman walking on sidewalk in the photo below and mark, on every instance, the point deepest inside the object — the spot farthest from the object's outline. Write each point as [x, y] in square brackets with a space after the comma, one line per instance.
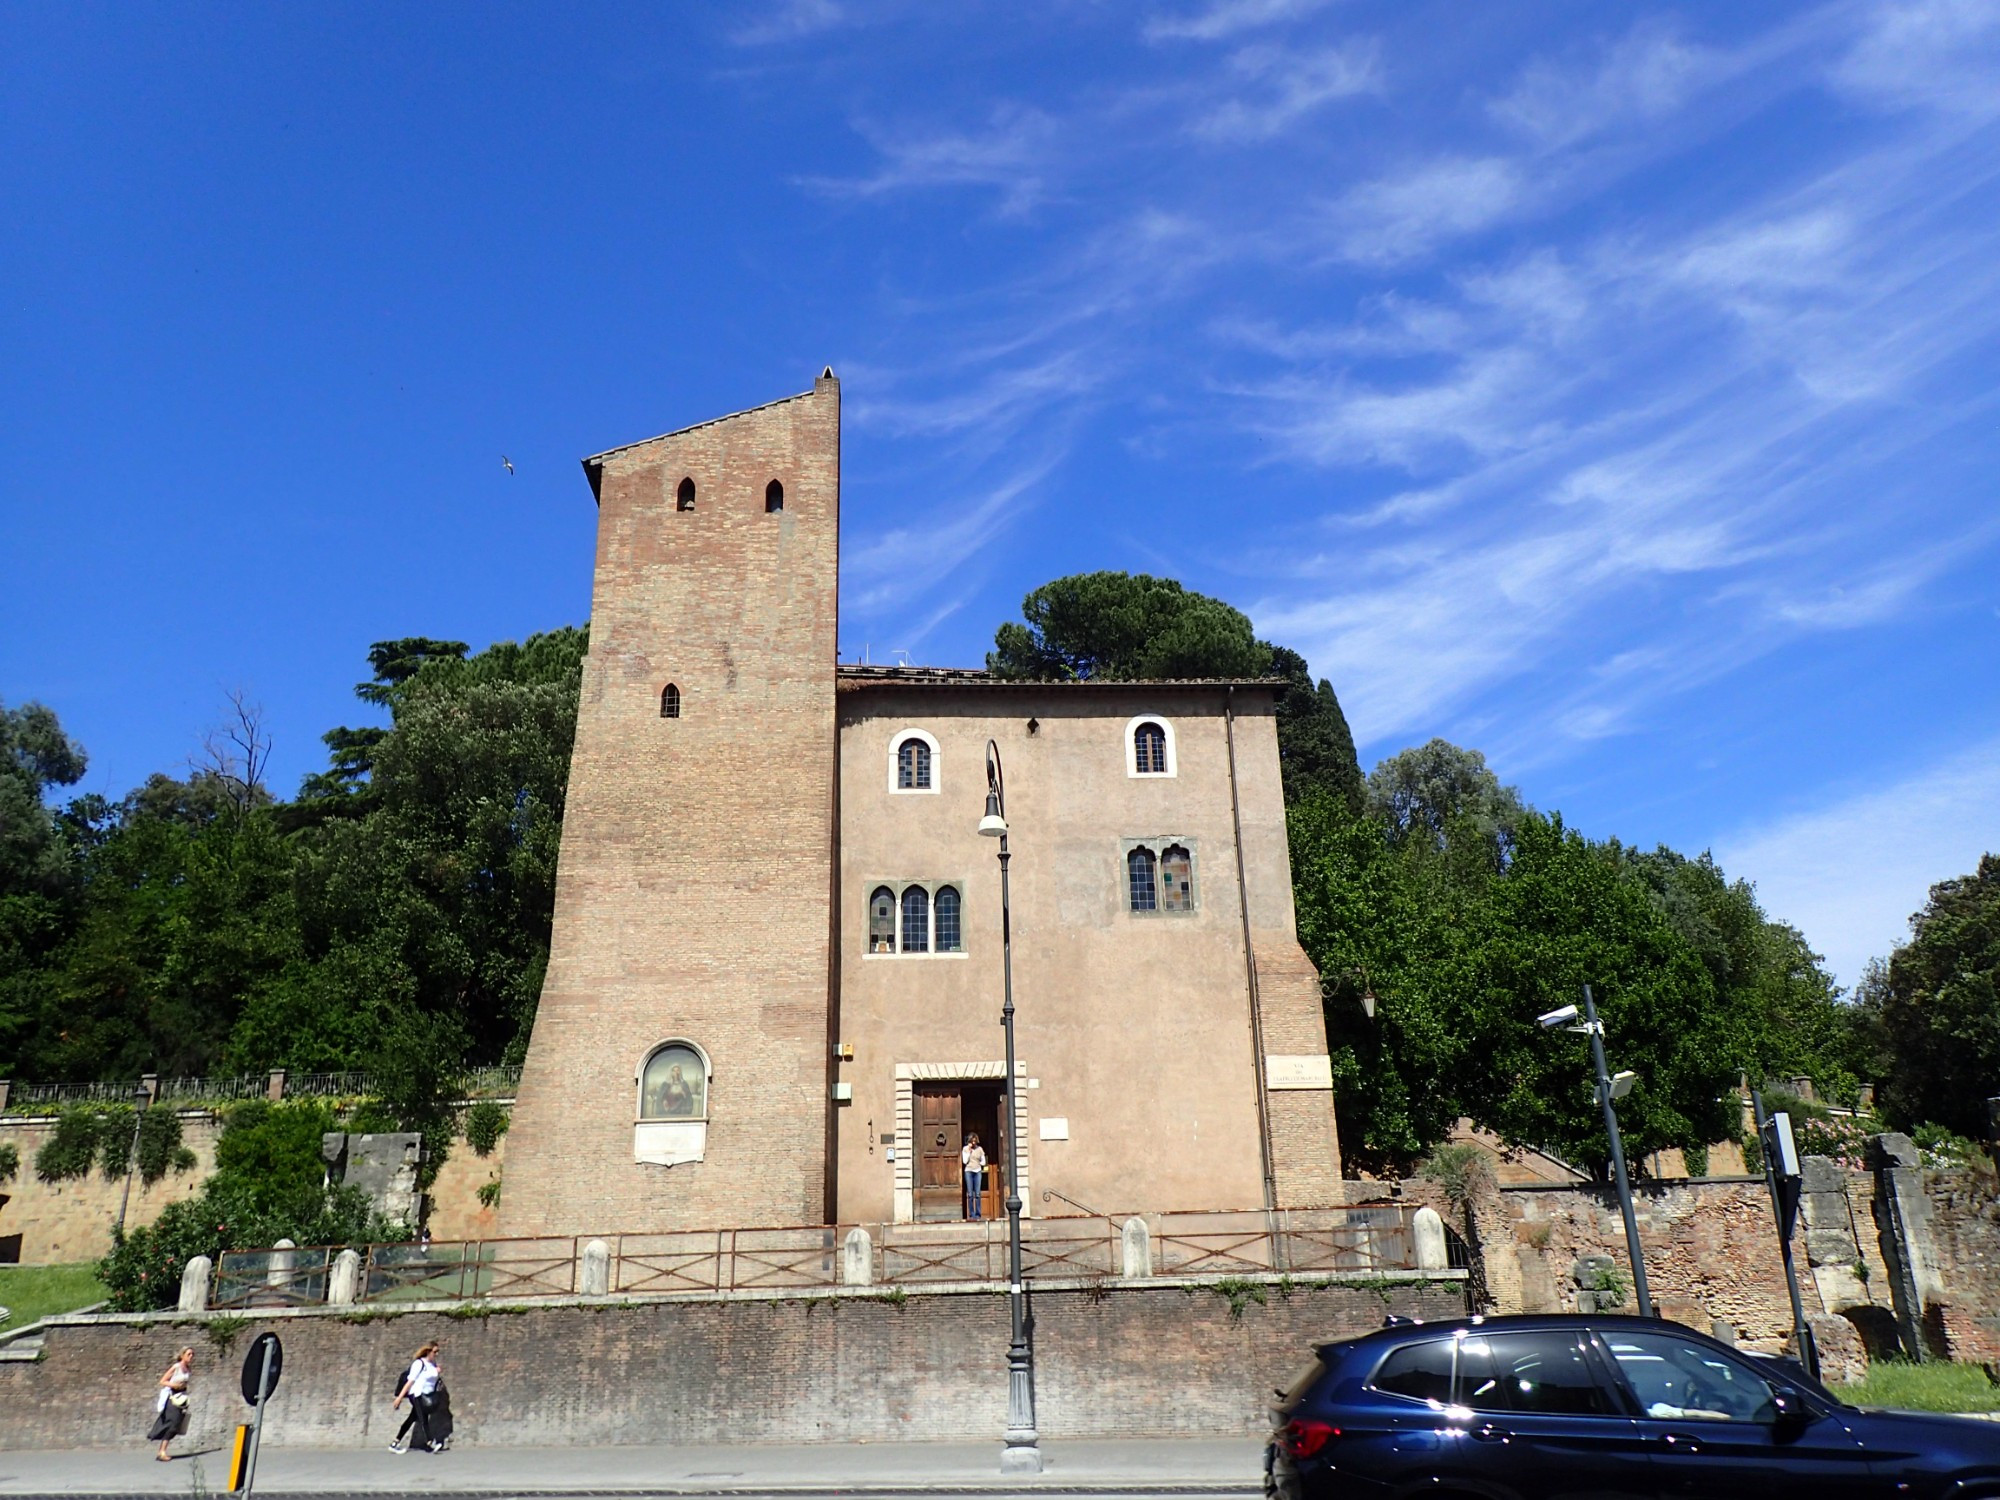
[170, 1418]
[418, 1387]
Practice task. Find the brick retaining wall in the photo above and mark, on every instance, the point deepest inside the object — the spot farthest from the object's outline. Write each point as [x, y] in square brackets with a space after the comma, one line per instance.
[1112, 1361]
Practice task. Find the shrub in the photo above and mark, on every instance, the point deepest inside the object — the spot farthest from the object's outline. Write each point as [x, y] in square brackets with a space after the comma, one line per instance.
[10, 1161]
[489, 1194]
[69, 1152]
[1696, 1158]
[1945, 1149]
[485, 1123]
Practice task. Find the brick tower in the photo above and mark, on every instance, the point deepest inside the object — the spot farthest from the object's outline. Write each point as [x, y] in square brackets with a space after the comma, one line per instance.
[694, 897]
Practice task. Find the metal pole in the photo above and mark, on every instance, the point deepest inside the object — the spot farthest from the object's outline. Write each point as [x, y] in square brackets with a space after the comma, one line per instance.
[131, 1160]
[1022, 1453]
[1801, 1334]
[1596, 1028]
[257, 1422]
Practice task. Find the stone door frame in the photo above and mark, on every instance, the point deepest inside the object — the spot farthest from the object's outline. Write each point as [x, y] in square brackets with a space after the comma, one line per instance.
[908, 1076]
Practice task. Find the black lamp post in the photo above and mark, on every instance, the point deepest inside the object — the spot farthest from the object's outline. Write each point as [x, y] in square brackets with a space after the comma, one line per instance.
[142, 1098]
[1610, 1088]
[1022, 1453]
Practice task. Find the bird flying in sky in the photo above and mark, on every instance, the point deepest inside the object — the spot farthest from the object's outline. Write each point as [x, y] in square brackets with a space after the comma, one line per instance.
[508, 462]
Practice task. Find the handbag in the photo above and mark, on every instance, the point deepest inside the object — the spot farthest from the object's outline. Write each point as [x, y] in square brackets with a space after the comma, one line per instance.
[178, 1398]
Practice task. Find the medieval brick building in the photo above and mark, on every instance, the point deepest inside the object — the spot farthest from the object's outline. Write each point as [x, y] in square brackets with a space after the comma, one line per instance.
[775, 984]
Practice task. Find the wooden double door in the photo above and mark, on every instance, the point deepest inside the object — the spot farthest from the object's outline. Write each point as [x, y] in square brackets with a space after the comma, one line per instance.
[944, 1117]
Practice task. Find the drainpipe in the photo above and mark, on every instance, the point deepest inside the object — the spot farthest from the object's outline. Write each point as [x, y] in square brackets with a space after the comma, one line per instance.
[1250, 970]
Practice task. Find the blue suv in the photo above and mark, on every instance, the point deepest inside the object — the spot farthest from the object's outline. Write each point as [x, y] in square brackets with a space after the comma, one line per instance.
[1604, 1408]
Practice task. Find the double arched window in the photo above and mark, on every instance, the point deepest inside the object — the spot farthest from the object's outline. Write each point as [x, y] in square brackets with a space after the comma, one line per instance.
[1159, 876]
[918, 919]
[913, 761]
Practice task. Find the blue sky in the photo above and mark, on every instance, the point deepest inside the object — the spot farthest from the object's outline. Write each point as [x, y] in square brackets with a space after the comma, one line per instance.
[1611, 388]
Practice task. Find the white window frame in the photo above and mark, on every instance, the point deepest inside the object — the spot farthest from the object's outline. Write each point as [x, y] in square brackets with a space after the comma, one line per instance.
[896, 743]
[1132, 748]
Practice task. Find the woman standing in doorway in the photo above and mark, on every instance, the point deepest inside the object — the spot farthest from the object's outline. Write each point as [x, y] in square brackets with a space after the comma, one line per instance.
[170, 1418]
[418, 1388]
[973, 1160]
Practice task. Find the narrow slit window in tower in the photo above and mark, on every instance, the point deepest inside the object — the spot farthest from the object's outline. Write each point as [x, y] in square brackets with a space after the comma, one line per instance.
[774, 498]
[670, 702]
[684, 496]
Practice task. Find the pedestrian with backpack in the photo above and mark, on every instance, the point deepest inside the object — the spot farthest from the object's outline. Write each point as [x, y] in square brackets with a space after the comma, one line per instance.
[418, 1387]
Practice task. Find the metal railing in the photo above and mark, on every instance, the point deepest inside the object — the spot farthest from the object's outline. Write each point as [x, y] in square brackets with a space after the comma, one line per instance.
[1365, 1241]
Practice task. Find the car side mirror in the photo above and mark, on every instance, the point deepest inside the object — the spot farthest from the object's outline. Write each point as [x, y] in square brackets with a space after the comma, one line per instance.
[1790, 1413]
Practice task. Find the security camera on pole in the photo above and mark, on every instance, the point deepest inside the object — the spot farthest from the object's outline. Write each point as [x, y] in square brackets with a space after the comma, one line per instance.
[1610, 1087]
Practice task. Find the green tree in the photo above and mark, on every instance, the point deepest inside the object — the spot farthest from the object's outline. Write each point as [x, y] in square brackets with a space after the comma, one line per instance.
[269, 1184]
[1425, 791]
[1315, 746]
[1125, 627]
[424, 922]
[1129, 627]
[1937, 1017]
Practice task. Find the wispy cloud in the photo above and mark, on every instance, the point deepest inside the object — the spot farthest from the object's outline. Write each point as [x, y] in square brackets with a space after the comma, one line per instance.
[1227, 18]
[789, 21]
[1012, 153]
[1283, 87]
[1412, 211]
[1850, 874]
[1644, 76]
[906, 563]
[1927, 54]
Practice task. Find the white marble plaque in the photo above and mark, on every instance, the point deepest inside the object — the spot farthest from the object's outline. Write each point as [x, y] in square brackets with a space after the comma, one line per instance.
[1313, 1071]
[668, 1143]
[1055, 1128]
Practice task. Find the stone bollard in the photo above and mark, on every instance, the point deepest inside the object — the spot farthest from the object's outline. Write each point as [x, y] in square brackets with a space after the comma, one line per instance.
[194, 1284]
[1427, 1231]
[1135, 1245]
[343, 1287]
[594, 1274]
[278, 1274]
[857, 1258]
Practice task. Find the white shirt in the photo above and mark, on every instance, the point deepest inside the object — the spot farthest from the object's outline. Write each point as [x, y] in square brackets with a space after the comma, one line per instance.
[973, 1158]
[423, 1377]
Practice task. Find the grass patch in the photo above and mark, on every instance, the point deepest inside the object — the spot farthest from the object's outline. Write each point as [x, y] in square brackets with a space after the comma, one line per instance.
[1928, 1387]
[32, 1293]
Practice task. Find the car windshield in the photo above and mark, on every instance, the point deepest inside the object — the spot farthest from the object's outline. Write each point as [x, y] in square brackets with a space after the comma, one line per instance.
[1676, 1379]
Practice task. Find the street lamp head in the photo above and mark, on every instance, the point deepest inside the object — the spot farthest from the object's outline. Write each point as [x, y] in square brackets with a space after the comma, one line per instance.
[992, 825]
[1368, 1003]
[1621, 1083]
[1559, 1017]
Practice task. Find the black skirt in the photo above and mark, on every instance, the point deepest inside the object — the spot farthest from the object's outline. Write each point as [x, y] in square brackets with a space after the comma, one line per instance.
[170, 1423]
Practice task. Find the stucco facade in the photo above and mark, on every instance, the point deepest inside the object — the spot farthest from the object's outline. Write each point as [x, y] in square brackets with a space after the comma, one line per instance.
[718, 868]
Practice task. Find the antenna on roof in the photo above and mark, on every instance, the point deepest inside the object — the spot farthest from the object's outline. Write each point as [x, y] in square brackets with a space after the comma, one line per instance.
[904, 655]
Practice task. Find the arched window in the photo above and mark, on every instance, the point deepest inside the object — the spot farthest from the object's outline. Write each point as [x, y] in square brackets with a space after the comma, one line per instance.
[684, 495]
[950, 937]
[1139, 879]
[913, 766]
[1176, 879]
[915, 762]
[1149, 749]
[670, 702]
[882, 920]
[916, 920]
[774, 498]
[674, 1084]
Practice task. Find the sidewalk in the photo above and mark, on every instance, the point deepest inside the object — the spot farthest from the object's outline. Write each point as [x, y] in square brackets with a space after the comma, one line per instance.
[1132, 1466]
